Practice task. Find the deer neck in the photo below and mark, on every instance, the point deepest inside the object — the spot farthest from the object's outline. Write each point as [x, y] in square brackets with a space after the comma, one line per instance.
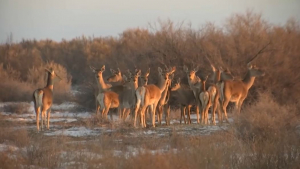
[216, 76]
[248, 80]
[101, 84]
[162, 85]
[193, 81]
[136, 85]
[202, 86]
[50, 82]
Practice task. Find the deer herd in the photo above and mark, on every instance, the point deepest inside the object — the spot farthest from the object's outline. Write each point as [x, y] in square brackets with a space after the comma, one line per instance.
[132, 95]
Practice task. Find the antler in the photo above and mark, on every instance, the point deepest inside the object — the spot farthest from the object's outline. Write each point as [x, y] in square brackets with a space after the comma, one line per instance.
[259, 52]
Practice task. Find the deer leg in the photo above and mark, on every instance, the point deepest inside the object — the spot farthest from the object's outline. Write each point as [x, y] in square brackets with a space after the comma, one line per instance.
[181, 113]
[103, 112]
[189, 114]
[240, 105]
[219, 113]
[167, 114]
[43, 118]
[161, 113]
[198, 108]
[213, 115]
[48, 118]
[158, 114]
[153, 108]
[202, 114]
[37, 111]
[126, 114]
[224, 106]
[97, 107]
[136, 109]
[142, 116]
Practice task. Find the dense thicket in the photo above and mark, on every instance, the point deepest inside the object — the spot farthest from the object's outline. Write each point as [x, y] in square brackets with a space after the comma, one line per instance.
[231, 46]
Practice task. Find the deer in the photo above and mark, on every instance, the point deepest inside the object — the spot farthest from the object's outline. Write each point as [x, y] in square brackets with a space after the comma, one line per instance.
[127, 98]
[149, 95]
[237, 90]
[106, 98]
[194, 81]
[43, 99]
[163, 104]
[214, 91]
[116, 77]
[205, 99]
[186, 99]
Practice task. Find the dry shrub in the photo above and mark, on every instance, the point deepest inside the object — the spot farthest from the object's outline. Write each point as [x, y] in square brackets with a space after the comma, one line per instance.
[269, 134]
[19, 108]
[11, 87]
[18, 137]
[14, 90]
[86, 96]
[44, 152]
[37, 76]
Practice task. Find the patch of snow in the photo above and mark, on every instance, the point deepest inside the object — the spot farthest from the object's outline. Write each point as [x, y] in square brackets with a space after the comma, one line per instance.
[64, 106]
[5, 147]
[149, 132]
[74, 132]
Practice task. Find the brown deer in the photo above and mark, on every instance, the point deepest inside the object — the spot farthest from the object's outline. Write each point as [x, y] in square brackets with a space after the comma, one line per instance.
[116, 77]
[237, 90]
[194, 81]
[105, 99]
[149, 95]
[186, 99]
[144, 78]
[43, 98]
[205, 100]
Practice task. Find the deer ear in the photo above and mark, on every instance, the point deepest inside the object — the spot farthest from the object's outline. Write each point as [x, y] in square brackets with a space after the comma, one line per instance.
[173, 70]
[92, 68]
[178, 80]
[148, 72]
[103, 68]
[159, 70]
[249, 65]
[185, 69]
[138, 72]
[112, 71]
[196, 69]
[213, 68]
[125, 78]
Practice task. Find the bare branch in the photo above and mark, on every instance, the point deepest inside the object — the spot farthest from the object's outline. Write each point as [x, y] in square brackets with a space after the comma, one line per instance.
[259, 52]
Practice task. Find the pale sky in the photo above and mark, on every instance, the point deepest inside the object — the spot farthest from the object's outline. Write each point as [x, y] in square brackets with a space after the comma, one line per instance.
[57, 19]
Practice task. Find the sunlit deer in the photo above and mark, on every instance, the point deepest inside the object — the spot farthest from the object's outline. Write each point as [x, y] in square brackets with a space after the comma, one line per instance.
[102, 86]
[144, 78]
[149, 95]
[186, 99]
[105, 99]
[43, 98]
[237, 90]
[205, 100]
[194, 80]
[116, 77]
